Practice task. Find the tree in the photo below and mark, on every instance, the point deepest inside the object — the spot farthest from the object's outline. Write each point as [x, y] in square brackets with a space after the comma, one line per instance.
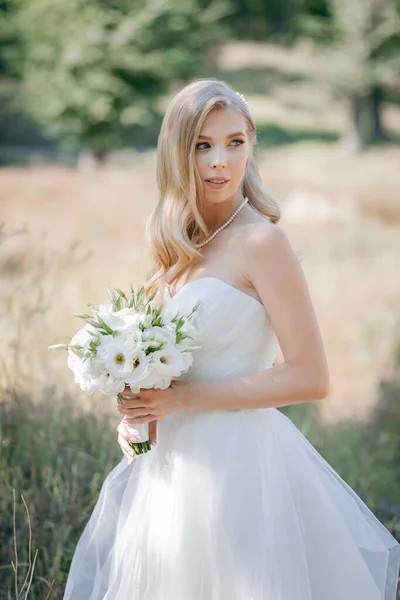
[90, 69]
[6, 36]
[361, 60]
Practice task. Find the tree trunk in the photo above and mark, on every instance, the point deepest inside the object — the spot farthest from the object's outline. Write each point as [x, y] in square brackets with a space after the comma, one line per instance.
[91, 159]
[378, 131]
[366, 125]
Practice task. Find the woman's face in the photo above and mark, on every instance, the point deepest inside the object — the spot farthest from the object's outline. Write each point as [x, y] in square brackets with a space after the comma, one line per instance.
[222, 150]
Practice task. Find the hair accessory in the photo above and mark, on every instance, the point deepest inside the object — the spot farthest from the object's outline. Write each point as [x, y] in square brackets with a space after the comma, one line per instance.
[244, 99]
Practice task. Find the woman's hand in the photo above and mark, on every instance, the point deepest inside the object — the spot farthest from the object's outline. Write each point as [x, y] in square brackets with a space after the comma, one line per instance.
[151, 404]
[124, 437]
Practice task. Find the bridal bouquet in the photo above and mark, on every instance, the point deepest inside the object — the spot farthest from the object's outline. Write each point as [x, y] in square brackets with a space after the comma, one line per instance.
[128, 342]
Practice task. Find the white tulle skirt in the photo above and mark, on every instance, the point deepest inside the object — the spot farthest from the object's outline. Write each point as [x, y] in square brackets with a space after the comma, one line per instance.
[231, 505]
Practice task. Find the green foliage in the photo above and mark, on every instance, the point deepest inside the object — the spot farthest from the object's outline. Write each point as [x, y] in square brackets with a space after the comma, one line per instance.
[359, 59]
[7, 39]
[276, 20]
[361, 40]
[92, 69]
[56, 457]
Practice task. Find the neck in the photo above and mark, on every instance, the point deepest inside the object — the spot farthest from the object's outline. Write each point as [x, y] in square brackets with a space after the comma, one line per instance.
[219, 213]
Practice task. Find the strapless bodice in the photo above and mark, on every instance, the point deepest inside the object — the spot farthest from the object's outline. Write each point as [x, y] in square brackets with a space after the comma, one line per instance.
[233, 329]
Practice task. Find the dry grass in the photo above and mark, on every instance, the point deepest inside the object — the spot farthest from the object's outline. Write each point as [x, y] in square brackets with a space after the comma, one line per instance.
[86, 228]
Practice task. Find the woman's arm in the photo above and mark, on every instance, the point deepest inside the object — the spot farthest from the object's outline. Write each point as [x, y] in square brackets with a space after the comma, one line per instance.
[275, 272]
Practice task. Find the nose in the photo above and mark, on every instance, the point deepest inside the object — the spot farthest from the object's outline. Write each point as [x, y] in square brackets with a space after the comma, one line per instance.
[217, 158]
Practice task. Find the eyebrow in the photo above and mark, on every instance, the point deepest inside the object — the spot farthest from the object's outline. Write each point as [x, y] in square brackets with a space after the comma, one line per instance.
[205, 137]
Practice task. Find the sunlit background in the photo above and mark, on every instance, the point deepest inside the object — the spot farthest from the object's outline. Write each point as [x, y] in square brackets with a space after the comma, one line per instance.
[83, 88]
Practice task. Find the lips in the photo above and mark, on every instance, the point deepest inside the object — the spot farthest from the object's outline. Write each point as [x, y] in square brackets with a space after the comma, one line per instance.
[217, 179]
[217, 183]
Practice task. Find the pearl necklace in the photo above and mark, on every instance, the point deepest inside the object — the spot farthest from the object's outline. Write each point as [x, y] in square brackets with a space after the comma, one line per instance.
[223, 226]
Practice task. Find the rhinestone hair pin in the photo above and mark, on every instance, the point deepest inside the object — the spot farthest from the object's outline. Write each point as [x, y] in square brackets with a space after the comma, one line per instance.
[243, 99]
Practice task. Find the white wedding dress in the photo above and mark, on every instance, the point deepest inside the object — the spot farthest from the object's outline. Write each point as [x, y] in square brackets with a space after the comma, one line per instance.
[231, 504]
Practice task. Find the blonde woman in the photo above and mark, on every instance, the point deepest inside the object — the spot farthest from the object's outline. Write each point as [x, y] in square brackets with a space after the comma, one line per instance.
[232, 502]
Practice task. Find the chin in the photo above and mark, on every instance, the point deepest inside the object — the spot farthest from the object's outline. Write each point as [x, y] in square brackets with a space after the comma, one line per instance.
[219, 195]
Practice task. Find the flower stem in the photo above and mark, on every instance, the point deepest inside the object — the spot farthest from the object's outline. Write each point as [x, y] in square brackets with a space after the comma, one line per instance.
[141, 447]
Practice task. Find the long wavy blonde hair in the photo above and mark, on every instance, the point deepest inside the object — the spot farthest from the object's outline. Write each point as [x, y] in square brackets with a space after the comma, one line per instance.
[176, 224]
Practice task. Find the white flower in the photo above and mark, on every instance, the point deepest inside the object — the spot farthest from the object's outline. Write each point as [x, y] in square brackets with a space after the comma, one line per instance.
[84, 336]
[154, 380]
[171, 328]
[118, 359]
[112, 387]
[147, 321]
[158, 337]
[120, 319]
[167, 362]
[89, 373]
[139, 354]
[78, 366]
[132, 337]
[141, 368]
[187, 361]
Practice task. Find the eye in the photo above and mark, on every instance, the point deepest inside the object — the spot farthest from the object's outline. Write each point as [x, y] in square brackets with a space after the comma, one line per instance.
[203, 145]
[198, 146]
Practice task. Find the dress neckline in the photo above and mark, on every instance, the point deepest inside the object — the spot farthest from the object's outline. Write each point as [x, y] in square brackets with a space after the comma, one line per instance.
[214, 279]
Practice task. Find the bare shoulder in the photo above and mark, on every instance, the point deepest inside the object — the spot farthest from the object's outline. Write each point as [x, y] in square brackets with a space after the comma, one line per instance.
[266, 240]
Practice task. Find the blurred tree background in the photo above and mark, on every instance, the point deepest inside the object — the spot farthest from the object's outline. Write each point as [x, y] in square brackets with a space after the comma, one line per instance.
[89, 74]
[83, 87]
[90, 71]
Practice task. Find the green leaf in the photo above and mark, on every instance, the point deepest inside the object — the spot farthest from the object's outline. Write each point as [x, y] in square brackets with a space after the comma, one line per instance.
[121, 293]
[112, 296]
[104, 325]
[58, 347]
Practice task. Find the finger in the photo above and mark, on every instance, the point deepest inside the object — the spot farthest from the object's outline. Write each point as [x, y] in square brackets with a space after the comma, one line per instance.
[123, 428]
[125, 447]
[129, 458]
[123, 442]
[143, 418]
[125, 433]
[128, 392]
[133, 414]
[133, 404]
[153, 432]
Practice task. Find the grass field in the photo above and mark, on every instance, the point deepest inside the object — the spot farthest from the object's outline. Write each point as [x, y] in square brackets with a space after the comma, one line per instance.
[84, 233]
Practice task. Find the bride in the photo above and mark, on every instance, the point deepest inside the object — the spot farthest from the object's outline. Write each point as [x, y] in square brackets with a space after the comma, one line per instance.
[232, 502]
